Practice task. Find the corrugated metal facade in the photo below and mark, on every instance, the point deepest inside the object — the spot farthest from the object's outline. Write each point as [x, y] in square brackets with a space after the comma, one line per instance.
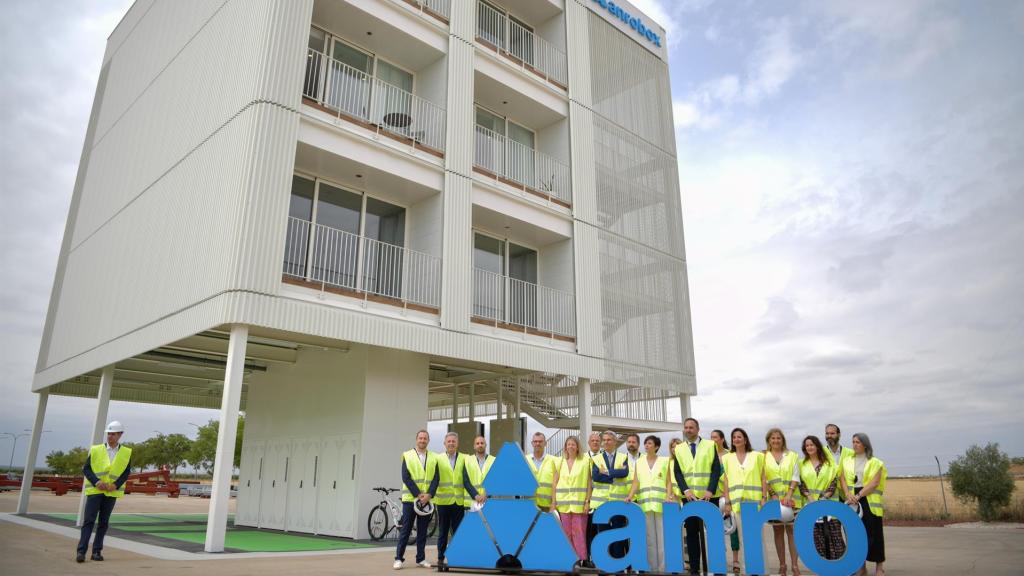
[194, 142]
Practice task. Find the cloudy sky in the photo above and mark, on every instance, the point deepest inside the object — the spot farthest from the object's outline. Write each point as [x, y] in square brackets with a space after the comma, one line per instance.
[852, 176]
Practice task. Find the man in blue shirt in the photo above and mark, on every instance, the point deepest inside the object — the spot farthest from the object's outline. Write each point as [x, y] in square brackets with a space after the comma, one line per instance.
[606, 475]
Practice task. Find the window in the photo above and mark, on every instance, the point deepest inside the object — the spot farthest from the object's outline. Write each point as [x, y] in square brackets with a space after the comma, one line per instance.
[505, 281]
[332, 251]
[513, 157]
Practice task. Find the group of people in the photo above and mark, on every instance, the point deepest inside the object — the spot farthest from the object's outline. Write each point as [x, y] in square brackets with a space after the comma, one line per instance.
[724, 472]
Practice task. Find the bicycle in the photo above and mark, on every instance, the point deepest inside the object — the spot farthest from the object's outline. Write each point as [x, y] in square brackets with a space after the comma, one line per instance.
[387, 517]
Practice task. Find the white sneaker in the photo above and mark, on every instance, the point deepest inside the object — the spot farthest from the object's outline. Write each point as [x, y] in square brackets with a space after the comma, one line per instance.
[397, 565]
[424, 564]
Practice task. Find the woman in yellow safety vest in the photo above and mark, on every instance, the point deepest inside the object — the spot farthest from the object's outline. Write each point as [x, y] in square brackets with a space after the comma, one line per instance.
[869, 476]
[817, 481]
[652, 476]
[781, 465]
[571, 498]
[718, 437]
[744, 480]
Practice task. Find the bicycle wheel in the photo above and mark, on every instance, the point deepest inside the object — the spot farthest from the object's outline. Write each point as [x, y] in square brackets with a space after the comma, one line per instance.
[377, 522]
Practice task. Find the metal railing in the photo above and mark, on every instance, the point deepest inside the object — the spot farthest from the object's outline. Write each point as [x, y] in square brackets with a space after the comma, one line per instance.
[439, 7]
[511, 301]
[512, 38]
[360, 264]
[352, 92]
[510, 159]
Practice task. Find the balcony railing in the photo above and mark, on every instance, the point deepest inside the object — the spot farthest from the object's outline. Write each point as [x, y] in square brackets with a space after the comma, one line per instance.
[330, 257]
[510, 37]
[510, 301]
[438, 7]
[354, 93]
[509, 159]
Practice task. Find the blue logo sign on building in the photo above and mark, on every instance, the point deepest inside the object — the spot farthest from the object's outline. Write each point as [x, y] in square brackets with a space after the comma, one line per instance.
[634, 21]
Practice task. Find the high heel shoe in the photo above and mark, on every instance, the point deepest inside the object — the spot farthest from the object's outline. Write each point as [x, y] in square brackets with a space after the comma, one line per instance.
[782, 569]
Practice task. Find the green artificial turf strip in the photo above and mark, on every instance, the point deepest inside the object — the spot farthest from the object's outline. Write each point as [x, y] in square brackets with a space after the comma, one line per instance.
[255, 541]
[120, 518]
[162, 528]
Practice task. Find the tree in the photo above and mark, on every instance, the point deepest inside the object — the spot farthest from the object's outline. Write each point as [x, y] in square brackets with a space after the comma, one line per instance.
[983, 475]
[204, 447]
[176, 451]
[67, 463]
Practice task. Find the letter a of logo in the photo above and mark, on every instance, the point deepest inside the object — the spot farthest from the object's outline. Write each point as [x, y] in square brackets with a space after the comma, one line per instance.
[509, 531]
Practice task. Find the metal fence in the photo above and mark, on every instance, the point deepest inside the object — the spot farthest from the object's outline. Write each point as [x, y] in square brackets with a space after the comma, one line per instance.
[513, 38]
[510, 159]
[504, 299]
[352, 92]
[439, 7]
[361, 264]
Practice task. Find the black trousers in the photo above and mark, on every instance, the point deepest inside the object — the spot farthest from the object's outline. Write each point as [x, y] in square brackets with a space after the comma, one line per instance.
[876, 536]
[695, 543]
[422, 522]
[449, 517]
[101, 505]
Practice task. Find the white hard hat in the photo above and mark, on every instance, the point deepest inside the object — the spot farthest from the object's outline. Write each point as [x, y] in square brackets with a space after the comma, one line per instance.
[729, 525]
[476, 506]
[114, 426]
[787, 514]
[424, 508]
[856, 508]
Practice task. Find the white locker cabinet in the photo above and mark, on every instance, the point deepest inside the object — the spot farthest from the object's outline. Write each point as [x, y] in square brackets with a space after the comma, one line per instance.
[274, 489]
[302, 464]
[336, 486]
[250, 482]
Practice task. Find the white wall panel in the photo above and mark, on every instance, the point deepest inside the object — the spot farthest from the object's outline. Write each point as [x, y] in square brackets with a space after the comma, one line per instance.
[461, 112]
[463, 20]
[589, 337]
[577, 27]
[457, 262]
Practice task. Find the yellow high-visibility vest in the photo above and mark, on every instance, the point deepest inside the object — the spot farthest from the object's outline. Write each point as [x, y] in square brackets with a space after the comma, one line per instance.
[572, 485]
[422, 477]
[817, 482]
[778, 475]
[744, 480]
[449, 486]
[845, 455]
[872, 468]
[105, 470]
[544, 476]
[476, 474]
[606, 492]
[696, 468]
[651, 490]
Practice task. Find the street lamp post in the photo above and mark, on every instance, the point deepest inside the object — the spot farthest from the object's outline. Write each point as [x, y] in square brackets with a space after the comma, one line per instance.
[195, 468]
[14, 446]
[942, 486]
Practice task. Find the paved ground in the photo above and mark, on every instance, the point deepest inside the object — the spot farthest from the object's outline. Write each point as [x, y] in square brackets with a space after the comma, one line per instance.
[45, 501]
[963, 549]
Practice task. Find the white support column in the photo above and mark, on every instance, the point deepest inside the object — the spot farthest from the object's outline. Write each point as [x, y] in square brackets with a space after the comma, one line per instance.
[455, 403]
[583, 401]
[498, 402]
[517, 405]
[224, 462]
[472, 402]
[99, 424]
[684, 407]
[33, 452]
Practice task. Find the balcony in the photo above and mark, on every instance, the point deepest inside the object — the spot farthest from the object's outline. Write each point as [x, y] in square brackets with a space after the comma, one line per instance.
[333, 260]
[513, 304]
[357, 97]
[438, 9]
[517, 165]
[521, 46]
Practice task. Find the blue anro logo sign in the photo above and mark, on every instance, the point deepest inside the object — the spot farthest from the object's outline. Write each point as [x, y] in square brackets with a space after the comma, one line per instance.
[509, 533]
[634, 22]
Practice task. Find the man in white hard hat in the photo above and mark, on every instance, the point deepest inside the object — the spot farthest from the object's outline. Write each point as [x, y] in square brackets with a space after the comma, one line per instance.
[106, 469]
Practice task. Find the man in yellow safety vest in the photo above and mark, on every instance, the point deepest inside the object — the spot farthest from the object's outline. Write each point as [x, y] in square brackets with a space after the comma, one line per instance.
[838, 455]
[543, 467]
[477, 467]
[419, 486]
[610, 471]
[697, 473]
[106, 470]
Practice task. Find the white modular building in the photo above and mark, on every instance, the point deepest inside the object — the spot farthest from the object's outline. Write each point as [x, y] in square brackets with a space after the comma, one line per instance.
[347, 218]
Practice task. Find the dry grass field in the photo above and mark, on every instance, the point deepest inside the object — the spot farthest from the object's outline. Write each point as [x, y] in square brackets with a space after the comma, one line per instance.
[920, 499]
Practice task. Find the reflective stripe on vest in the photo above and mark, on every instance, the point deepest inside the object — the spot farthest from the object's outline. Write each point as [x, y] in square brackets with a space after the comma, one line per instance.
[105, 470]
[651, 490]
[744, 480]
[696, 469]
[873, 468]
[571, 491]
[620, 486]
[449, 487]
[422, 478]
[476, 475]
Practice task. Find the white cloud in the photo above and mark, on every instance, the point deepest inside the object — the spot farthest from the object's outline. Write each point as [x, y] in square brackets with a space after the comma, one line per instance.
[772, 64]
[685, 114]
